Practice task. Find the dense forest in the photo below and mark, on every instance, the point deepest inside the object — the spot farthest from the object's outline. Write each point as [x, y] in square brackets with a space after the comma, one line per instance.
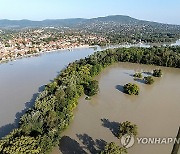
[41, 127]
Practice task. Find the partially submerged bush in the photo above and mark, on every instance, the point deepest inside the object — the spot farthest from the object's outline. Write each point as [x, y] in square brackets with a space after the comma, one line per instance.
[127, 128]
[149, 80]
[131, 89]
[112, 148]
[157, 72]
[137, 75]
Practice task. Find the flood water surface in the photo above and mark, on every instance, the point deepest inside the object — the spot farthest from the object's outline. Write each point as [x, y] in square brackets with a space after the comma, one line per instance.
[156, 111]
[21, 80]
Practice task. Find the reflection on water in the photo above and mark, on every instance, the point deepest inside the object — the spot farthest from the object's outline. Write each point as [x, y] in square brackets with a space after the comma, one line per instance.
[155, 111]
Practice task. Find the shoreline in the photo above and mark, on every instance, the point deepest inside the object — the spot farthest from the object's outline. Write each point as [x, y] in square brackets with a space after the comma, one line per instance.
[110, 46]
[43, 52]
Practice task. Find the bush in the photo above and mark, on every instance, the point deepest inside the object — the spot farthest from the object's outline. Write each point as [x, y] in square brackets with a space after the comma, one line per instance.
[137, 75]
[112, 148]
[157, 72]
[149, 80]
[91, 88]
[127, 128]
[131, 89]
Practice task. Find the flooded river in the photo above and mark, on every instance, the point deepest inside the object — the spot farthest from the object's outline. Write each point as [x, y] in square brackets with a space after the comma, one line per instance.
[156, 111]
[21, 80]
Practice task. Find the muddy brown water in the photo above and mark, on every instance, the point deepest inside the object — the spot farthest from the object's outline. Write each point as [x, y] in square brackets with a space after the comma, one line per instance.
[21, 80]
[156, 111]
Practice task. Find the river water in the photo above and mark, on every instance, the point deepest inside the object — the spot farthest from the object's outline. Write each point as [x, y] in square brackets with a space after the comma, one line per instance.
[21, 80]
[156, 111]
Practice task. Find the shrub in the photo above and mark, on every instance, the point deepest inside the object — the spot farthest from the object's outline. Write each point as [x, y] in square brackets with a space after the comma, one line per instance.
[127, 128]
[131, 89]
[149, 80]
[91, 88]
[157, 72]
[137, 75]
[112, 148]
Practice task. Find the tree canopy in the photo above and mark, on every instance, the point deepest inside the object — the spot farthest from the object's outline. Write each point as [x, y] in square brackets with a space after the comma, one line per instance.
[127, 128]
[149, 80]
[112, 148]
[131, 89]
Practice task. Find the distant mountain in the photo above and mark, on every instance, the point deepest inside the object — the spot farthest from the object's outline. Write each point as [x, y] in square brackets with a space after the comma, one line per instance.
[28, 23]
[117, 28]
[75, 22]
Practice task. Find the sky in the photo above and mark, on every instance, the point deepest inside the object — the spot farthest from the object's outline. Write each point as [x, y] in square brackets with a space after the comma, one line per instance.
[165, 11]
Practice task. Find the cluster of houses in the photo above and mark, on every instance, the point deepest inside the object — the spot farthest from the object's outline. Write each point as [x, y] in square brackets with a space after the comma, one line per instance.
[36, 41]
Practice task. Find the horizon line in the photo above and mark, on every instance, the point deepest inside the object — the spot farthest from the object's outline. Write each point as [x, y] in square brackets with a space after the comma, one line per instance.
[87, 19]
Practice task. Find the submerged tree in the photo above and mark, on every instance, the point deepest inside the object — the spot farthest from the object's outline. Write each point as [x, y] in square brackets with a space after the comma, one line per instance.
[131, 89]
[157, 72]
[112, 148]
[149, 80]
[127, 128]
[138, 75]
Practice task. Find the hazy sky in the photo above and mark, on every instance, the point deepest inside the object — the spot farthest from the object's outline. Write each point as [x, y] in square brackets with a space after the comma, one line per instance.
[167, 11]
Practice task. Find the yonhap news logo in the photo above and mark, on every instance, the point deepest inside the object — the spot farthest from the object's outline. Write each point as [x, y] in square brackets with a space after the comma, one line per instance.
[129, 140]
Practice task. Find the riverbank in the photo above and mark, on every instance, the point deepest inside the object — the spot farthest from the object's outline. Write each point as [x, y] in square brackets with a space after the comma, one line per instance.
[126, 45]
[42, 52]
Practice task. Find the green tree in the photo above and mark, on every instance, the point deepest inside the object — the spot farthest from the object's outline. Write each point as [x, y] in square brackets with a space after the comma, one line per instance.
[127, 128]
[131, 89]
[112, 148]
[137, 75]
[157, 72]
[91, 88]
[149, 80]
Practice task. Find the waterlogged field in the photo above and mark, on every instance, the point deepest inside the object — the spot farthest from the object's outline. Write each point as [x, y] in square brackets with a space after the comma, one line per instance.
[155, 110]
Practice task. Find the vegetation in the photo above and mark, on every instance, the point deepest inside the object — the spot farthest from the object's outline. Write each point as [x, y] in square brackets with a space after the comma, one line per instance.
[91, 88]
[149, 80]
[112, 148]
[131, 89]
[41, 126]
[137, 75]
[157, 72]
[107, 30]
[127, 128]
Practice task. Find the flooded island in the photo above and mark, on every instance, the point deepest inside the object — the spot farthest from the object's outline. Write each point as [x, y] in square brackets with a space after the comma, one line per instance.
[49, 120]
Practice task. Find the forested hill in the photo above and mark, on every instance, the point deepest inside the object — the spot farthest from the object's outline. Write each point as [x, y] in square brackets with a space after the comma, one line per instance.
[116, 29]
[78, 22]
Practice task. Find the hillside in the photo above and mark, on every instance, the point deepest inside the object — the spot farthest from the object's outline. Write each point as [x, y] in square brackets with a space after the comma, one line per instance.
[75, 22]
[117, 28]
